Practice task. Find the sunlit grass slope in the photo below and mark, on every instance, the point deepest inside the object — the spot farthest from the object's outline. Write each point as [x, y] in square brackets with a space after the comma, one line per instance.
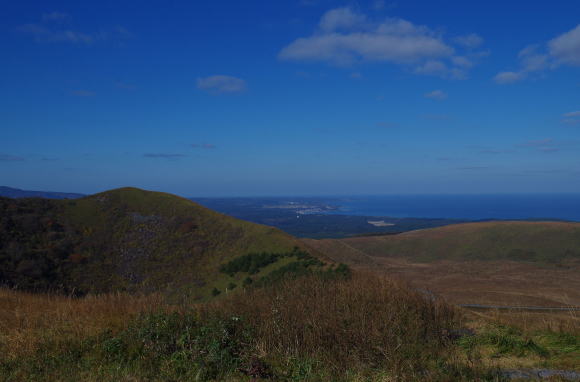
[125, 239]
[542, 242]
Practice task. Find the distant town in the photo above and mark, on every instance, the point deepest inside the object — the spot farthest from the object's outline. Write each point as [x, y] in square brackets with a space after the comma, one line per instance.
[303, 208]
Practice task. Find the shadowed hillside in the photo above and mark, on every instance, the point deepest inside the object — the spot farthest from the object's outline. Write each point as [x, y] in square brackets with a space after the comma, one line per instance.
[127, 239]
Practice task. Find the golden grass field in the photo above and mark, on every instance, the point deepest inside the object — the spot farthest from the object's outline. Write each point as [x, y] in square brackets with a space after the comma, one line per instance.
[363, 328]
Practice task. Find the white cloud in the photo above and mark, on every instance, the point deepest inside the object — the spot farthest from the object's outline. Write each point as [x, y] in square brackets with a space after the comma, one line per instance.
[509, 77]
[348, 48]
[220, 84]
[562, 50]
[345, 37]
[572, 114]
[438, 95]
[531, 60]
[472, 40]
[565, 49]
[340, 18]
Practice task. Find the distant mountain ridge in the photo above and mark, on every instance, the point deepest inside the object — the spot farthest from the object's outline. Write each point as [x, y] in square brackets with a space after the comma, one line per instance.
[9, 192]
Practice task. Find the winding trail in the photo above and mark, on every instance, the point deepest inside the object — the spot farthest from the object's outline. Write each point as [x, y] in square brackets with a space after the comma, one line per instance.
[540, 374]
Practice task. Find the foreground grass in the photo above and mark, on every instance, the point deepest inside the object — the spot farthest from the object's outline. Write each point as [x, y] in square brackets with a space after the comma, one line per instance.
[310, 329]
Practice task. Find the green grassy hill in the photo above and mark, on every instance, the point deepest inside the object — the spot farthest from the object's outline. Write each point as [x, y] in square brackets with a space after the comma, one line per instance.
[546, 242]
[128, 239]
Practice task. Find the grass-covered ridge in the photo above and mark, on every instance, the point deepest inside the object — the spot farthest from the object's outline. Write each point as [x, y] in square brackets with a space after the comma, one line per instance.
[540, 242]
[125, 239]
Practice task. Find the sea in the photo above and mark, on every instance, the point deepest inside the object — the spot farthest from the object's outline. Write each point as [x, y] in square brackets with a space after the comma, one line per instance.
[465, 207]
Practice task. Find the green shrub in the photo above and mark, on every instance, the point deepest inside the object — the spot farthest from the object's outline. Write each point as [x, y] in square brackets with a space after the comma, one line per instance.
[504, 340]
[251, 263]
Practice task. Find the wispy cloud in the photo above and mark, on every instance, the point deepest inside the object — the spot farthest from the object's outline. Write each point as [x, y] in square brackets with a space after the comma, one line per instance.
[55, 16]
[51, 30]
[164, 156]
[438, 95]
[42, 34]
[82, 93]
[125, 85]
[437, 117]
[547, 145]
[572, 118]
[345, 37]
[207, 146]
[221, 84]
[472, 168]
[11, 158]
[387, 125]
[494, 151]
[561, 50]
[537, 143]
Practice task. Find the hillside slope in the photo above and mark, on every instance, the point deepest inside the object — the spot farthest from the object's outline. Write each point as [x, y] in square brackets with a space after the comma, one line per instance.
[124, 239]
[492, 263]
[517, 240]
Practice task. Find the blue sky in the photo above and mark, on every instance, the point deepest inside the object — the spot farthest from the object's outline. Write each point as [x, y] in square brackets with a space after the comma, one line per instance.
[303, 97]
